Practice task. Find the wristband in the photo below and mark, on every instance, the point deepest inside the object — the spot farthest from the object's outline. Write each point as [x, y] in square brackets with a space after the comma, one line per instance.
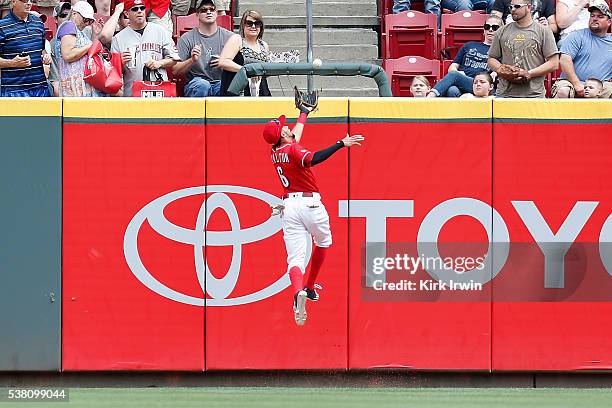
[302, 118]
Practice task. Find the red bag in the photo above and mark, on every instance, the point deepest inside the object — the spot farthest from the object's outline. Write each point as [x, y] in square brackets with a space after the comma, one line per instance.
[156, 88]
[103, 71]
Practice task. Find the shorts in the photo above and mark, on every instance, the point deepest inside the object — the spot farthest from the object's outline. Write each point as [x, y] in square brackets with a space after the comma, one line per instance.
[564, 83]
[222, 4]
[182, 7]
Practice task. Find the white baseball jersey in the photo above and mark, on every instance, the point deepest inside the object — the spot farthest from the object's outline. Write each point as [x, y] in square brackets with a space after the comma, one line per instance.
[154, 44]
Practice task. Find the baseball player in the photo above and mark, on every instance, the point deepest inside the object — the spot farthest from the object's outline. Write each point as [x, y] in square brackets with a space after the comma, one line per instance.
[303, 214]
[143, 45]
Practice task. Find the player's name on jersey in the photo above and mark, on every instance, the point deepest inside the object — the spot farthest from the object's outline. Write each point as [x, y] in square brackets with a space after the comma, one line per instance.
[279, 157]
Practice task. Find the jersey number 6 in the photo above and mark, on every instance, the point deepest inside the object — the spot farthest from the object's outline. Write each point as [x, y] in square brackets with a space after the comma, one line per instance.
[283, 179]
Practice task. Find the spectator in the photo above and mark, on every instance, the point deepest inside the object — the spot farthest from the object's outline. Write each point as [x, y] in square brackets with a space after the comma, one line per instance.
[223, 6]
[587, 54]
[482, 87]
[199, 50]
[526, 45]
[593, 88]
[22, 53]
[470, 61]
[542, 11]
[117, 22]
[431, 6]
[61, 13]
[245, 49]
[420, 86]
[571, 15]
[71, 46]
[159, 13]
[143, 44]
[103, 7]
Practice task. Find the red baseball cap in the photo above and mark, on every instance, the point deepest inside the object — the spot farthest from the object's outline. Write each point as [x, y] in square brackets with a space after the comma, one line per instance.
[272, 131]
[131, 3]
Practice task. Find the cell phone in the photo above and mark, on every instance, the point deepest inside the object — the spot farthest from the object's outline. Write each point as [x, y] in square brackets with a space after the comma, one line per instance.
[23, 54]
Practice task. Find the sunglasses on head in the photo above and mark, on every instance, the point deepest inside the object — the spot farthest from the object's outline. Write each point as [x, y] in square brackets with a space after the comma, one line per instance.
[208, 9]
[517, 6]
[488, 27]
[252, 23]
[138, 8]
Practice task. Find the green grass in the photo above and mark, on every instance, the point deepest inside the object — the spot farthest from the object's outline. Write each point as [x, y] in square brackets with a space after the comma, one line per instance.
[332, 397]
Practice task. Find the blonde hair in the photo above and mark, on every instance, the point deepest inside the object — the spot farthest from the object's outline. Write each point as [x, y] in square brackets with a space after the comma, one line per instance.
[422, 79]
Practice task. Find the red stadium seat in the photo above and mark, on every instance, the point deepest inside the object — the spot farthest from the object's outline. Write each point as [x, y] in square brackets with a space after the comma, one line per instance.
[444, 65]
[226, 22]
[50, 28]
[186, 23]
[400, 72]
[459, 28]
[410, 33]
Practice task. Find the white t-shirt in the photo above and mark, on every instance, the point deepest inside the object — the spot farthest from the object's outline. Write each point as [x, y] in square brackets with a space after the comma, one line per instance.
[154, 44]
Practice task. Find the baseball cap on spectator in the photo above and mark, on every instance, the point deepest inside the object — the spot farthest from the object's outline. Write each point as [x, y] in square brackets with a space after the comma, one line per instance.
[84, 9]
[602, 6]
[60, 8]
[203, 2]
[133, 3]
[272, 131]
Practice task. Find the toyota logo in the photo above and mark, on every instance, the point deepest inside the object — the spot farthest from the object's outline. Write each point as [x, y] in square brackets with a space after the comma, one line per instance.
[217, 289]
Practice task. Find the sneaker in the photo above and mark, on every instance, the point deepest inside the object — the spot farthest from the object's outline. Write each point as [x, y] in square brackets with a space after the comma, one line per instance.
[299, 307]
[312, 294]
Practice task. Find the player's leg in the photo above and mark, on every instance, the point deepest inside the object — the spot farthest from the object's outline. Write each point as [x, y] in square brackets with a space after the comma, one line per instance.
[317, 223]
[296, 241]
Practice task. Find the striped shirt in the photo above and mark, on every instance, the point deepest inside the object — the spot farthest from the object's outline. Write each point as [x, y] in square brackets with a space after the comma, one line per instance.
[17, 36]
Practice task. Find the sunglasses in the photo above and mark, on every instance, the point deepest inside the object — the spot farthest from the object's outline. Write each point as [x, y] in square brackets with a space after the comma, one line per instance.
[517, 6]
[26, 1]
[63, 15]
[251, 23]
[488, 27]
[208, 9]
[138, 8]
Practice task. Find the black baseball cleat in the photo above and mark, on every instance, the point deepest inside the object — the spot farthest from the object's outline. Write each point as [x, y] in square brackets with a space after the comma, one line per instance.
[312, 294]
[299, 307]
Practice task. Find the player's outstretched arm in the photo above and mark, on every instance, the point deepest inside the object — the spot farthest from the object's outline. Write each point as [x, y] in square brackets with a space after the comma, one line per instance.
[353, 140]
[326, 153]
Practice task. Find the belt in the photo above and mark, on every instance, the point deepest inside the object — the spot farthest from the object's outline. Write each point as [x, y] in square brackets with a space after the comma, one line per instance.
[304, 194]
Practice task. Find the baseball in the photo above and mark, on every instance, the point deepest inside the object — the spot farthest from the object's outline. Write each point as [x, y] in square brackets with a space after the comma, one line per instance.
[317, 63]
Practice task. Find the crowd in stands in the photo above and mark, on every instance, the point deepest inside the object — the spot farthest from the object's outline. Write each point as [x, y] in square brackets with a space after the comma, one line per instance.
[205, 57]
[567, 42]
[570, 39]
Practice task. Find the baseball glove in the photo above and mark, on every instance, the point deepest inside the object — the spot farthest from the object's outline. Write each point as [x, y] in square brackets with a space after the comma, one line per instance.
[306, 102]
[513, 74]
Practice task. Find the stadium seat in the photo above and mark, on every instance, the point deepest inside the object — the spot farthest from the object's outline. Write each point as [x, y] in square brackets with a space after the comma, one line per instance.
[444, 65]
[50, 28]
[226, 22]
[410, 33]
[400, 72]
[459, 28]
[186, 23]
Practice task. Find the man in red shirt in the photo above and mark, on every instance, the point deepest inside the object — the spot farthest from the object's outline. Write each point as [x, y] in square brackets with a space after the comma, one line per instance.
[303, 214]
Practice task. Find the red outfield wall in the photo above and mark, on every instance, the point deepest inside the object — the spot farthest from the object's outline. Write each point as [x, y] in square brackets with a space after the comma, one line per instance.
[144, 287]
